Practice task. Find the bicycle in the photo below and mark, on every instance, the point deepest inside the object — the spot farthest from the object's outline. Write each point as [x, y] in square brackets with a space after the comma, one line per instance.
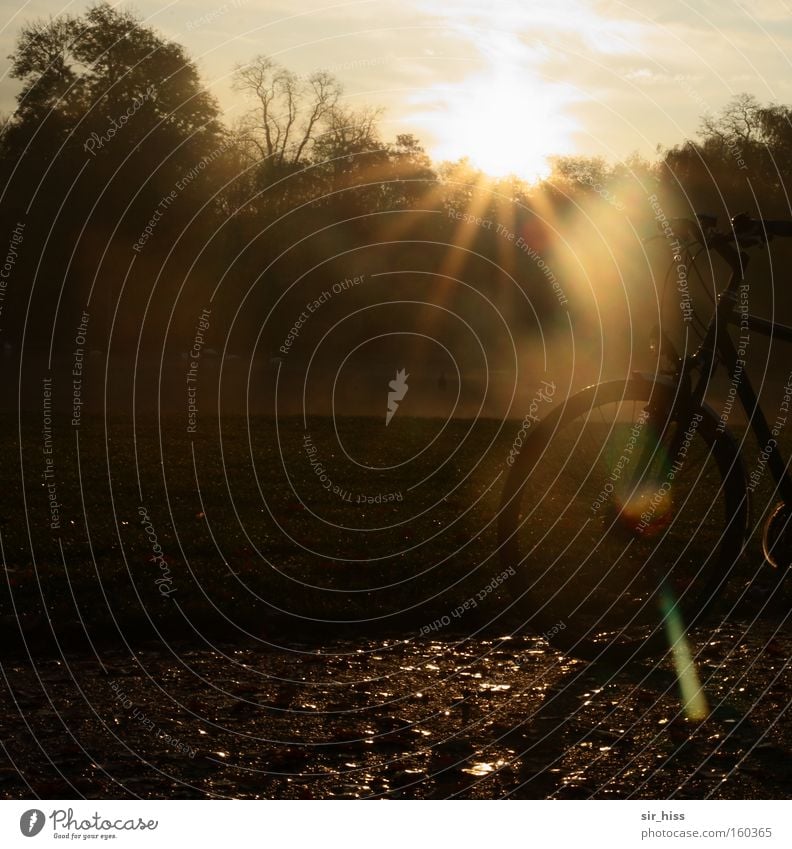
[627, 506]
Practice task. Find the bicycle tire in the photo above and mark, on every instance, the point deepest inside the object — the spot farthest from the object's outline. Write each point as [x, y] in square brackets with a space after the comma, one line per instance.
[569, 551]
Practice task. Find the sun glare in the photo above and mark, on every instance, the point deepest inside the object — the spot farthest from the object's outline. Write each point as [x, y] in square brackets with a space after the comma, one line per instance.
[503, 123]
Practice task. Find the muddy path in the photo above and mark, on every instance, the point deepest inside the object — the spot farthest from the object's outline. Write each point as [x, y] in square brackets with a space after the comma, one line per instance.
[478, 718]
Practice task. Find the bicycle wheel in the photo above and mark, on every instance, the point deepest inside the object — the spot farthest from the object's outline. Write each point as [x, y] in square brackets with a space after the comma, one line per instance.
[618, 509]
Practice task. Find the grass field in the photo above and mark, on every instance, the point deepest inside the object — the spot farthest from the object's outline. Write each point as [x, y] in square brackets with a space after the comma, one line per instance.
[247, 528]
[256, 525]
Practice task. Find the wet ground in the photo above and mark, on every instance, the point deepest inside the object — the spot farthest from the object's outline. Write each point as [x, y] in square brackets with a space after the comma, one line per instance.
[482, 718]
[353, 713]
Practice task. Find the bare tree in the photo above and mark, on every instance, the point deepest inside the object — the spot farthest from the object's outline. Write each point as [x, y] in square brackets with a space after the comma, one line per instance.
[739, 122]
[351, 131]
[289, 110]
[348, 134]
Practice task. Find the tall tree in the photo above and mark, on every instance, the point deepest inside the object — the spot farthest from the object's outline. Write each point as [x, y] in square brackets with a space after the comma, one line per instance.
[111, 118]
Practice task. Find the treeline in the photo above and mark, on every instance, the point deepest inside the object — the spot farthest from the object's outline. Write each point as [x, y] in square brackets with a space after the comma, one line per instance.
[139, 205]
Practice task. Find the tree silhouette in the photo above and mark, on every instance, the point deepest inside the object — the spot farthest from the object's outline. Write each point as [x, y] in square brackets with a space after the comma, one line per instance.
[115, 152]
[289, 111]
[112, 117]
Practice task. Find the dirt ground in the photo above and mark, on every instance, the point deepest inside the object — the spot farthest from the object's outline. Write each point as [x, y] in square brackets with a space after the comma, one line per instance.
[483, 718]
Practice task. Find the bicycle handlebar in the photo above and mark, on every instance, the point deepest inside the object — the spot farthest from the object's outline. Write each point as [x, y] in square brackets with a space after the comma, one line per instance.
[745, 231]
[763, 227]
[779, 228]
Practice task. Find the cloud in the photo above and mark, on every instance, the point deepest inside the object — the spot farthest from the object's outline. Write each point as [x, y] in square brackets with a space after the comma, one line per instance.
[603, 71]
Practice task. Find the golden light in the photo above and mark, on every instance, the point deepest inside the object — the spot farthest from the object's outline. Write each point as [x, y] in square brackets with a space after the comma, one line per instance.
[503, 121]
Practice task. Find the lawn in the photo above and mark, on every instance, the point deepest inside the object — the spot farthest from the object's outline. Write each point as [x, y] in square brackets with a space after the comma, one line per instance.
[256, 526]
[252, 524]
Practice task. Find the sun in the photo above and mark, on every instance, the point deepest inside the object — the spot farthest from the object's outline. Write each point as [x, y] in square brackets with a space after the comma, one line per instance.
[502, 122]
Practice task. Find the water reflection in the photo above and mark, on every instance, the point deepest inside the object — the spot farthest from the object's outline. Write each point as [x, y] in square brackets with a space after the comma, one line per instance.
[481, 719]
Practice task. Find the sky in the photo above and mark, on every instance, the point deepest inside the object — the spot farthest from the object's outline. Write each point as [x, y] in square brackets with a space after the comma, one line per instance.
[505, 83]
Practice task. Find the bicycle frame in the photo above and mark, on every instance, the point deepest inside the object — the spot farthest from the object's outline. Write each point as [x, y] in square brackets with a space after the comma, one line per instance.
[718, 342]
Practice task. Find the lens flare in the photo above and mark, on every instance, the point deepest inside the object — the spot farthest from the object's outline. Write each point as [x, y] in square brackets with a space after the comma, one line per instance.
[694, 700]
